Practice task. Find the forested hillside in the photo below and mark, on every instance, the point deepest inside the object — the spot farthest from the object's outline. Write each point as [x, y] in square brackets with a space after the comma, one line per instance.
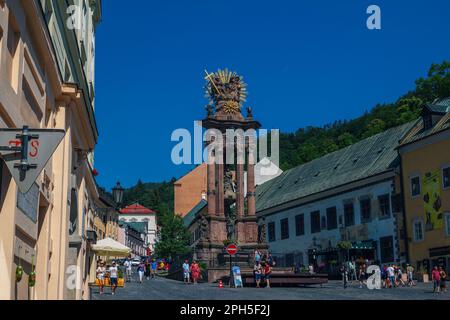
[309, 143]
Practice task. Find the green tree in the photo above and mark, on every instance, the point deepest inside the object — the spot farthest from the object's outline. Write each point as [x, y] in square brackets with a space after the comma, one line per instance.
[174, 237]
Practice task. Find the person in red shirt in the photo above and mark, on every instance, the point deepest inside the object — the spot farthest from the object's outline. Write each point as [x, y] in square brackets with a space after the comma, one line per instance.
[267, 272]
[436, 276]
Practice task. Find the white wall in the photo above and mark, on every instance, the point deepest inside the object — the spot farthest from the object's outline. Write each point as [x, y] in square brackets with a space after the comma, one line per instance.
[151, 225]
[300, 245]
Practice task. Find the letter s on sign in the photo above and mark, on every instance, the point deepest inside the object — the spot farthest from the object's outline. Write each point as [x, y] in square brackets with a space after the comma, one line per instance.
[35, 145]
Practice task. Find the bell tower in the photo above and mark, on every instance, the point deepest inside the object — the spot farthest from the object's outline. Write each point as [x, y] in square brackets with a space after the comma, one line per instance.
[231, 212]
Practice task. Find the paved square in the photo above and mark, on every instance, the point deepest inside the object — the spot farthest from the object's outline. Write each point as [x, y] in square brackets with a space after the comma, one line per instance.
[166, 289]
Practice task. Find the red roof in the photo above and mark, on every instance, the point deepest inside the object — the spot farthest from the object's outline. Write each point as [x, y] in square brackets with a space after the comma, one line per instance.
[136, 209]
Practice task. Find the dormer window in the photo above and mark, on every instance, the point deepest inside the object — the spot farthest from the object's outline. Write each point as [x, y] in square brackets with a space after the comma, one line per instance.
[427, 121]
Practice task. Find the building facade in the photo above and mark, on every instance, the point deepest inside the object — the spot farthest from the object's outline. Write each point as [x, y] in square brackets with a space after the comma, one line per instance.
[138, 213]
[46, 82]
[189, 190]
[350, 195]
[425, 162]
[135, 236]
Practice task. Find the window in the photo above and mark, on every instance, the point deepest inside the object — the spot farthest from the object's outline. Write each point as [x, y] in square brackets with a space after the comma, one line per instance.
[365, 209]
[271, 231]
[284, 228]
[385, 207]
[300, 225]
[349, 214]
[415, 186]
[331, 218]
[418, 230]
[427, 121]
[447, 224]
[315, 221]
[387, 249]
[446, 177]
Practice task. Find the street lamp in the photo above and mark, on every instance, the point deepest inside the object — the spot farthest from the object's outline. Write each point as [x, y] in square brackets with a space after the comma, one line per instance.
[118, 193]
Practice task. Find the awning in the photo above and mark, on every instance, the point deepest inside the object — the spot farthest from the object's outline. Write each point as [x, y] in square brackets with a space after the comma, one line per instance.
[111, 248]
[363, 245]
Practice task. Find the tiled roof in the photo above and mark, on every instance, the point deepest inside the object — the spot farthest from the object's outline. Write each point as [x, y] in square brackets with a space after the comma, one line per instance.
[140, 227]
[190, 216]
[369, 157]
[440, 106]
[136, 209]
[419, 132]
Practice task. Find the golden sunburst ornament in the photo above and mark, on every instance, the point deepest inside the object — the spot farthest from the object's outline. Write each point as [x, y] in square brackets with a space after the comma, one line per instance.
[231, 107]
[225, 85]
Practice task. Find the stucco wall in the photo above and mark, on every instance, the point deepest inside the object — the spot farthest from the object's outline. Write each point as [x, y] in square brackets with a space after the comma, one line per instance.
[299, 245]
[417, 163]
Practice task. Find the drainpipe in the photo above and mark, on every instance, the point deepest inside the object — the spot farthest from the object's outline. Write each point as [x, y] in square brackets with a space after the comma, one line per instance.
[405, 223]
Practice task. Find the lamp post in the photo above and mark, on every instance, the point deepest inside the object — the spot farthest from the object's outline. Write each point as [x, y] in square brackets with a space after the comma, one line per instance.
[118, 191]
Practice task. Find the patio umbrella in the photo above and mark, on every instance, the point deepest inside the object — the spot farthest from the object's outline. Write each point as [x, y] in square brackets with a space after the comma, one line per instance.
[111, 248]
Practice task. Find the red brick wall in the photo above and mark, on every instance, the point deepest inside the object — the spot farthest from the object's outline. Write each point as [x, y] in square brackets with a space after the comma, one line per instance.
[188, 190]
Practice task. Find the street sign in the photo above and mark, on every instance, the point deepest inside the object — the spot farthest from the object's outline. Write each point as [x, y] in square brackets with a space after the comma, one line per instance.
[232, 249]
[237, 277]
[27, 151]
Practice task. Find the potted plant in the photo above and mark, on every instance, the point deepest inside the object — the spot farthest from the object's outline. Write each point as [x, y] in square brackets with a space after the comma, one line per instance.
[120, 280]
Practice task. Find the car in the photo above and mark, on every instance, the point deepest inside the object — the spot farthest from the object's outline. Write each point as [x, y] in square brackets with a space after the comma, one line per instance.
[135, 261]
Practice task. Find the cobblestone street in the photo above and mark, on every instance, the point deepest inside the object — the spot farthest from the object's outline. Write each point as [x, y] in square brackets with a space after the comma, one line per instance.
[166, 289]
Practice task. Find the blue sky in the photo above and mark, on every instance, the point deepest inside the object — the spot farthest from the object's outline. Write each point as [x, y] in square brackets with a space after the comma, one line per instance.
[305, 63]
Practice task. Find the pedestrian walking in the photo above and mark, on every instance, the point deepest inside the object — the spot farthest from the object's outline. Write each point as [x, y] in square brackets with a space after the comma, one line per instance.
[113, 275]
[147, 269]
[352, 271]
[400, 276]
[410, 273]
[101, 272]
[141, 270]
[362, 275]
[344, 273]
[127, 265]
[195, 272]
[186, 273]
[443, 279]
[257, 271]
[436, 276]
[154, 267]
[391, 275]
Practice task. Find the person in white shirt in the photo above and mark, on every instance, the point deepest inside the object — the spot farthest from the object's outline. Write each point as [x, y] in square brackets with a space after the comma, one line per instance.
[113, 273]
[101, 272]
[127, 265]
[186, 272]
[391, 274]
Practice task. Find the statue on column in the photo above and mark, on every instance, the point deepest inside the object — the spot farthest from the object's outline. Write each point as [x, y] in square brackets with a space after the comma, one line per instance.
[204, 228]
[229, 185]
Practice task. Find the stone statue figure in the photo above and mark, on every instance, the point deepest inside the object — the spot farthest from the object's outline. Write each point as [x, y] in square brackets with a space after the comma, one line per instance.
[209, 110]
[249, 113]
[229, 185]
[204, 228]
[262, 234]
[231, 229]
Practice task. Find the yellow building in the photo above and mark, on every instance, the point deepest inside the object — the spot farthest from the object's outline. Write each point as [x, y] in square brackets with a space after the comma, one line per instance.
[425, 165]
[46, 82]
